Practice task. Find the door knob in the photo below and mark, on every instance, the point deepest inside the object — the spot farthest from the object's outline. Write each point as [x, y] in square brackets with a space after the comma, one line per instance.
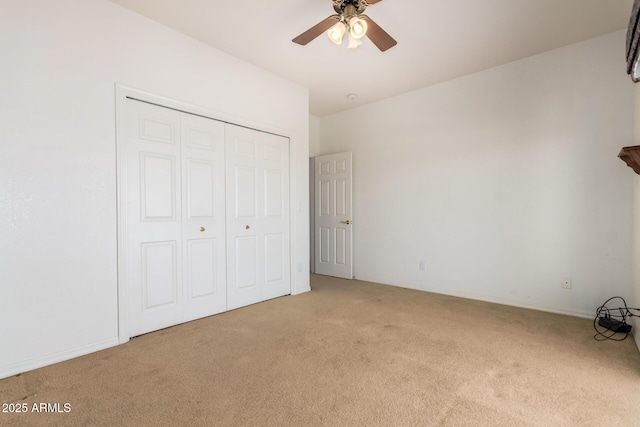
[247, 227]
[201, 229]
[346, 222]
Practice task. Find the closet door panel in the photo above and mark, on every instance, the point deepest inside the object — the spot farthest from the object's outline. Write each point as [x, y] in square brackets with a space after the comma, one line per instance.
[257, 201]
[154, 237]
[203, 225]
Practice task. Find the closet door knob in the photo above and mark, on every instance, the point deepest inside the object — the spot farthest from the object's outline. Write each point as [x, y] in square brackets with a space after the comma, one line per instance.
[246, 227]
[201, 229]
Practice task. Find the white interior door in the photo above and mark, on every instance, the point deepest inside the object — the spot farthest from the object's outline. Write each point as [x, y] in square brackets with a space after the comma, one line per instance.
[175, 233]
[257, 216]
[333, 216]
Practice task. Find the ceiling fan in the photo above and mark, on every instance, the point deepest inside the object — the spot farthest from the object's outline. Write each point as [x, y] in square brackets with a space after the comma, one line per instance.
[349, 19]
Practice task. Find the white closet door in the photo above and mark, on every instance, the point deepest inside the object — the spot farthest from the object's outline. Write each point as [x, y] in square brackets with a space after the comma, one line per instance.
[203, 225]
[257, 200]
[175, 175]
[154, 235]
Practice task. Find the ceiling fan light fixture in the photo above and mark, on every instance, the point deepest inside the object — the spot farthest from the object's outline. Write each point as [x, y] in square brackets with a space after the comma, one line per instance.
[357, 27]
[336, 32]
[349, 16]
[353, 42]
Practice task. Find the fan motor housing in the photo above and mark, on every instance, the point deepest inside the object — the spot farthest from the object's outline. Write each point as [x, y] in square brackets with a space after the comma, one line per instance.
[340, 5]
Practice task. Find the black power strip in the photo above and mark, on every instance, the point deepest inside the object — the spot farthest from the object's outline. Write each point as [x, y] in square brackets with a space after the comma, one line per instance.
[605, 319]
[614, 325]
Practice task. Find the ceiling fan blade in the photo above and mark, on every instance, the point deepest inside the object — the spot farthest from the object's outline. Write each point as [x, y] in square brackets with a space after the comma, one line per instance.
[378, 36]
[370, 2]
[316, 30]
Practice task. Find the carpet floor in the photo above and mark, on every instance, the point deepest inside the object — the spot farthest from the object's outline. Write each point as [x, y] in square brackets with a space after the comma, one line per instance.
[349, 353]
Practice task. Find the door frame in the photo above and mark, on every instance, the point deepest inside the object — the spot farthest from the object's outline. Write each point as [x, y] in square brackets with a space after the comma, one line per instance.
[123, 92]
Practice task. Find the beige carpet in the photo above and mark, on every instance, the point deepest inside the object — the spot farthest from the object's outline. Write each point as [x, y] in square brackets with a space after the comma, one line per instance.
[347, 353]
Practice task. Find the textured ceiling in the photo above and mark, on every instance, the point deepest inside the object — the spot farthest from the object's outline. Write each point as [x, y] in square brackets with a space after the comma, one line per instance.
[438, 40]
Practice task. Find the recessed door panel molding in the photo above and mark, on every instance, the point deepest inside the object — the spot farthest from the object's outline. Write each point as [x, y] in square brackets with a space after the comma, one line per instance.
[325, 244]
[246, 197]
[324, 197]
[201, 268]
[245, 146]
[157, 187]
[324, 168]
[274, 152]
[274, 264]
[273, 193]
[245, 262]
[201, 189]
[340, 245]
[159, 274]
[157, 130]
[202, 138]
[333, 220]
[340, 197]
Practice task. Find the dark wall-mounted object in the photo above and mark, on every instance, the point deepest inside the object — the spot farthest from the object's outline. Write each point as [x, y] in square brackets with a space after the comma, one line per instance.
[633, 39]
[631, 156]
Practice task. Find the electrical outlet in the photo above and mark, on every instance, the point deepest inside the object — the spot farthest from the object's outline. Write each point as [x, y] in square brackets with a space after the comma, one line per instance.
[422, 266]
[566, 283]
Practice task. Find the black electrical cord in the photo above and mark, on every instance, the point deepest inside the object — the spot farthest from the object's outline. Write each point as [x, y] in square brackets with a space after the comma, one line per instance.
[609, 313]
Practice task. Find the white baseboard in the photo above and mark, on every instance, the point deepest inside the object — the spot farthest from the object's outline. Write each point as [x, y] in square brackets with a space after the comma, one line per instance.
[493, 299]
[635, 331]
[61, 356]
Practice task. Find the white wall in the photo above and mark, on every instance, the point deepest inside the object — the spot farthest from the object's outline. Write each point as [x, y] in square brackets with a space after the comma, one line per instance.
[314, 136]
[635, 302]
[314, 150]
[503, 182]
[60, 63]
